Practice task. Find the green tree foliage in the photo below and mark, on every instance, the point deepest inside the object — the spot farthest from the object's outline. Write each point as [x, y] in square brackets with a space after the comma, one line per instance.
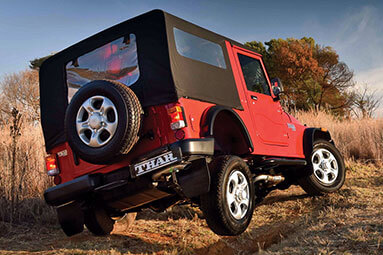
[313, 76]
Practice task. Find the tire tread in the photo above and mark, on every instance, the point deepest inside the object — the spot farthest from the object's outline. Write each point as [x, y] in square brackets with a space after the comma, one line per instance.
[212, 201]
[313, 187]
[98, 221]
[135, 113]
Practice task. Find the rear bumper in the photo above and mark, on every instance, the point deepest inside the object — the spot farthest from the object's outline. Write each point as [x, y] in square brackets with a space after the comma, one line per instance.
[71, 190]
[80, 187]
[190, 147]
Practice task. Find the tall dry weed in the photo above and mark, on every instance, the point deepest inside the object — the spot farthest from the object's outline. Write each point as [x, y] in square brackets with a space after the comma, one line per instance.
[22, 174]
[357, 139]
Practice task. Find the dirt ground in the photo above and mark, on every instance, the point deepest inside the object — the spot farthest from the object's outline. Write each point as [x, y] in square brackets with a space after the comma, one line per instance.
[287, 222]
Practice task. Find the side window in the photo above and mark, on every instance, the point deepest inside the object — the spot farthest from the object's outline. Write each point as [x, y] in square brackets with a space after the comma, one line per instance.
[254, 76]
[197, 48]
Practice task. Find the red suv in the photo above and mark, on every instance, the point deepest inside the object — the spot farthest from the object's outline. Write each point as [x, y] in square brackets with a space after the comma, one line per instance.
[157, 111]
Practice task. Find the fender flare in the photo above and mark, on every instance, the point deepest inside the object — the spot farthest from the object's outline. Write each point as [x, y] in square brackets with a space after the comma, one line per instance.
[312, 134]
[207, 125]
[309, 136]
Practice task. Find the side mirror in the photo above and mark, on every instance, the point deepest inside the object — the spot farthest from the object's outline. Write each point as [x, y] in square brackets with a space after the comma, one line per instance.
[277, 91]
[277, 87]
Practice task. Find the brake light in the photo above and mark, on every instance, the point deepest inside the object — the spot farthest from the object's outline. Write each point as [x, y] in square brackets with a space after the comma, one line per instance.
[51, 164]
[176, 115]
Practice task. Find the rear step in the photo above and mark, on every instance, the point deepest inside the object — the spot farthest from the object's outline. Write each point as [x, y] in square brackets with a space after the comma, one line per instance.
[276, 162]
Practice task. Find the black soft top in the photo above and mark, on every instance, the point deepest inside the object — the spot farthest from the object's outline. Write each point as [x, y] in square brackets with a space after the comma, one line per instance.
[165, 75]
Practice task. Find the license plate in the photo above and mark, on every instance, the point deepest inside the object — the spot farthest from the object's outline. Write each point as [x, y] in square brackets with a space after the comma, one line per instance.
[154, 163]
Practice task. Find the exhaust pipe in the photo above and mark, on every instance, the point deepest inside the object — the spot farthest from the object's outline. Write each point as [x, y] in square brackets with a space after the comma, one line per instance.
[270, 180]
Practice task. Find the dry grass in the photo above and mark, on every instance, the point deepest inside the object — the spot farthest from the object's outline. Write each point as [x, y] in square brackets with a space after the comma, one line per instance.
[22, 176]
[287, 222]
[358, 139]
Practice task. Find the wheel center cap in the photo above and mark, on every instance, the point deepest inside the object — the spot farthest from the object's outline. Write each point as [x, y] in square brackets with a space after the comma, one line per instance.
[95, 121]
[324, 165]
[239, 194]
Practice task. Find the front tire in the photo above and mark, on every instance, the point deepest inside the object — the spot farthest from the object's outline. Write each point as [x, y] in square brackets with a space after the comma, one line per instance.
[228, 206]
[329, 171]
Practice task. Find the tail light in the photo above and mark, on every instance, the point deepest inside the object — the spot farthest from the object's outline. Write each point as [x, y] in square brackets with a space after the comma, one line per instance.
[51, 163]
[177, 120]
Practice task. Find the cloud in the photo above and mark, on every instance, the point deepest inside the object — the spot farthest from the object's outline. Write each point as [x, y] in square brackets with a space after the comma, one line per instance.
[358, 38]
[356, 35]
[374, 80]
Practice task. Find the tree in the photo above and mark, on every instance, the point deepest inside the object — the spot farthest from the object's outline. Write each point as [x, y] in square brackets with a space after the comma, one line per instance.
[336, 79]
[366, 102]
[313, 75]
[20, 91]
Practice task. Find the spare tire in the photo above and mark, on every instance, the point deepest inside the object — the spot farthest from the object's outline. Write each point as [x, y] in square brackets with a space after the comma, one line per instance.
[102, 121]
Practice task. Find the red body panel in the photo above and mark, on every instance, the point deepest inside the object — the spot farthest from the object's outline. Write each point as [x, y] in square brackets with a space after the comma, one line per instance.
[264, 118]
[272, 131]
[156, 121]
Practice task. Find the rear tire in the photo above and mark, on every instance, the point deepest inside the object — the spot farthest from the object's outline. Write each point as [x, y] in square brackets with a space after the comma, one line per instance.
[329, 171]
[98, 221]
[228, 206]
[71, 218]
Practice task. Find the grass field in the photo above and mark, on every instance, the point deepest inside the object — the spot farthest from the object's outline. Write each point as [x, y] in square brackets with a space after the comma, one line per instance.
[287, 222]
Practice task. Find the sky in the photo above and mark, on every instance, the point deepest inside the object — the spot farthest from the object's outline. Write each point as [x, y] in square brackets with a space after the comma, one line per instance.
[32, 29]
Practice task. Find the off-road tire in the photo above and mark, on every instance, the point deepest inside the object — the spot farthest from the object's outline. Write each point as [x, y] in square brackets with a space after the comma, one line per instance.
[129, 112]
[71, 218]
[311, 184]
[98, 221]
[214, 204]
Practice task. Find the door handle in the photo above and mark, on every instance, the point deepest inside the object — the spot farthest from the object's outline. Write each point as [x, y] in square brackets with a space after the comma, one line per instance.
[254, 98]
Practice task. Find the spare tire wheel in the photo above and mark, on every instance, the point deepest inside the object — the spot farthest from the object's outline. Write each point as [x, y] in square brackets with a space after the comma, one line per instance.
[102, 121]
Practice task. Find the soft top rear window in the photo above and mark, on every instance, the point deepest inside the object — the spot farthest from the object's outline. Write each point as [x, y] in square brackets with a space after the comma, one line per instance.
[116, 60]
